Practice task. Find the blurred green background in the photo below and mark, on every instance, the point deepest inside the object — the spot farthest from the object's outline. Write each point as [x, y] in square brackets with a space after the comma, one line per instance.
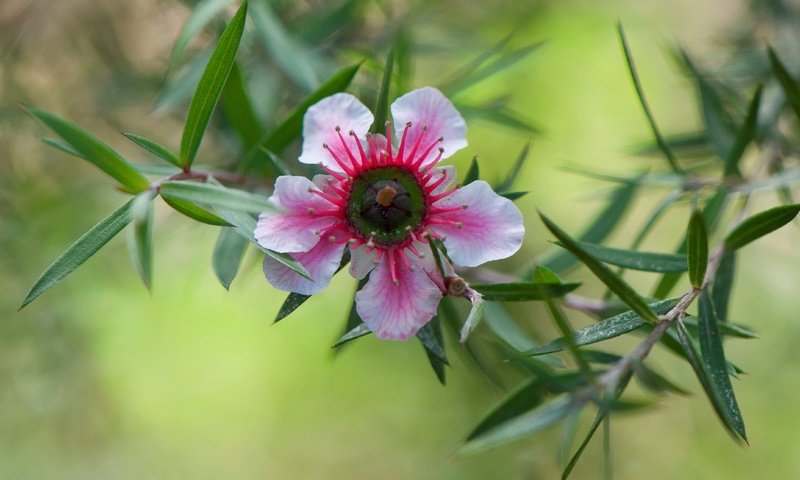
[101, 379]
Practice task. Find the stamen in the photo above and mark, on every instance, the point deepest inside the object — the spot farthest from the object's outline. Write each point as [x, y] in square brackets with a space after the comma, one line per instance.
[435, 185]
[361, 152]
[333, 173]
[378, 256]
[416, 145]
[332, 239]
[444, 221]
[417, 163]
[333, 200]
[338, 160]
[437, 210]
[393, 266]
[350, 155]
[389, 139]
[310, 211]
[404, 261]
[436, 198]
[403, 143]
[414, 250]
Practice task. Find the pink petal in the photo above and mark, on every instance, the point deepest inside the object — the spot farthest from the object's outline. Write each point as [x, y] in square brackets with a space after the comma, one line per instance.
[294, 227]
[320, 262]
[319, 127]
[428, 107]
[490, 228]
[362, 261]
[396, 312]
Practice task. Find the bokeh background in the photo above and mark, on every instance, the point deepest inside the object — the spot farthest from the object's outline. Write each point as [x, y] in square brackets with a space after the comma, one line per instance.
[101, 379]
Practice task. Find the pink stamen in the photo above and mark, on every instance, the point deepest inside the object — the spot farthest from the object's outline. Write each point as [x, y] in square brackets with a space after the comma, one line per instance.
[361, 152]
[333, 173]
[336, 201]
[404, 261]
[324, 213]
[435, 185]
[414, 250]
[411, 156]
[389, 140]
[436, 198]
[393, 266]
[434, 235]
[379, 256]
[339, 161]
[432, 162]
[437, 210]
[401, 149]
[418, 163]
[444, 221]
[350, 155]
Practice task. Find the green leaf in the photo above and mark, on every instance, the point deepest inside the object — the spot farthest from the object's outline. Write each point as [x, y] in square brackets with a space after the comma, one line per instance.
[474, 317]
[194, 212]
[599, 229]
[289, 129]
[499, 114]
[210, 86]
[502, 324]
[238, 108]
[522, 426]
[598, 419]
[609, 328]
[292, 303]
[513, 174]
[612, 281]
[523, 291]
[475, 75]
[59, 145]
[525, 398]
[382, 105]
[245, 225]
[745, 135]
[662, 145]
[142, 236]
[789, 85]
[80, 251]
[564, 326]
[723, 285]
[430, 335]
[216, 196]
[645, 261]
[156, 149]
[654, 381]
[760, 224]
[357, 332]
[697, 249]
[201, 15]
[95, 151]
[474, 172]
[228, 252]
[512, 195]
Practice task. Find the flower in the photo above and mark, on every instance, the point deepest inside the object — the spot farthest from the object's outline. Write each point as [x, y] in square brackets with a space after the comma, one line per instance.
[386, 200]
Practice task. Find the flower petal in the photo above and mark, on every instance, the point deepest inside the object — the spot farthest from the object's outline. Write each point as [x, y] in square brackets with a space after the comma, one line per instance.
[396, 312]
[293, 228]
[362, 261]
[320, 262]
[319, 127]
[490, 228]
[428, 107]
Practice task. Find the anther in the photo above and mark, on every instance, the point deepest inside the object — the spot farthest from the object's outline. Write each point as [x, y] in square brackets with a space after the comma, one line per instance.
[337, 128]
[385, 196]
[408, 125]
[351, 133]
[459, 224]
[310, 211]
[424, 128]
[325, 146]
[332, 239]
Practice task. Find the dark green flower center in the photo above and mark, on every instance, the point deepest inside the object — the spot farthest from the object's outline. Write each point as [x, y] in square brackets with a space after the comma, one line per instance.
[385, 204]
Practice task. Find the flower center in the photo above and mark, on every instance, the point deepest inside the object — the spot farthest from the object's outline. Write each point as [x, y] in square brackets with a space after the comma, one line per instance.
[385, 204]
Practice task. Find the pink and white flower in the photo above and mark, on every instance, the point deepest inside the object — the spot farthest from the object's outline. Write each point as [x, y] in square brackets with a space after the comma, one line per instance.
[385, 198]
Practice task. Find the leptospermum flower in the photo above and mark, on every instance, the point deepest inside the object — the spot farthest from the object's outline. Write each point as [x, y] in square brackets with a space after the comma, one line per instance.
[385, 199]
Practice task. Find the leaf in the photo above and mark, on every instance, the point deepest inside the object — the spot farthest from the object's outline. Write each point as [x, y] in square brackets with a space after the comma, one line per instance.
[475, 75]
[527, 397]
[609, 328]
[645, 261]
[718, 401]
[474, 172]
[80, 251]
[228, 252]
[788, 83]
[142, 236]
[522, 426]
[59, 145]
[216, 196]
[502, 324]
[759, 225]
[612, 281]
[474, 317]
[430, 335]
[563, 324]
[292, 303]
[289, 129]
[238, 108]
[523, 291]
[512, 195]
[662, 145]
[697, 249]
[210, 87]
[599, 229]
[245, 225]
[193, 211]
[723, 285]
[356, 332]
[654, 381]
[598, 419]
[513, 174]
[382, 105]
[500, 115]
[156, 149]
[201, 15]
[745, 135]
[95, 151]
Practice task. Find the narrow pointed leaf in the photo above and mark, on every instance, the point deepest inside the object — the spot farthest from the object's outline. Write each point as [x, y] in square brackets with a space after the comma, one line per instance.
[216, 196]
[156, 149]
[525, 398]
[357, 332]
[80, 251]
[202, 14]
[95, 151]
[382, 105]
[474, 172]
[228, 252]
[598, 419]
[277, 139]
[634, 260]
[292, 303]
[238, 108]
[718, 401]
[612, 281]
[502, 324]
[194, 212]
[723, 286]
[654, 381]
[609, 328]
[430, 335]
[474, 317]
[697, 249]
[662, 145]
[142, 236]
[788, 83]
[760, 224]
[59, 145]
[523, 291]
[210, 86]
[476, 75]
[513, 174]
[745, 135]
